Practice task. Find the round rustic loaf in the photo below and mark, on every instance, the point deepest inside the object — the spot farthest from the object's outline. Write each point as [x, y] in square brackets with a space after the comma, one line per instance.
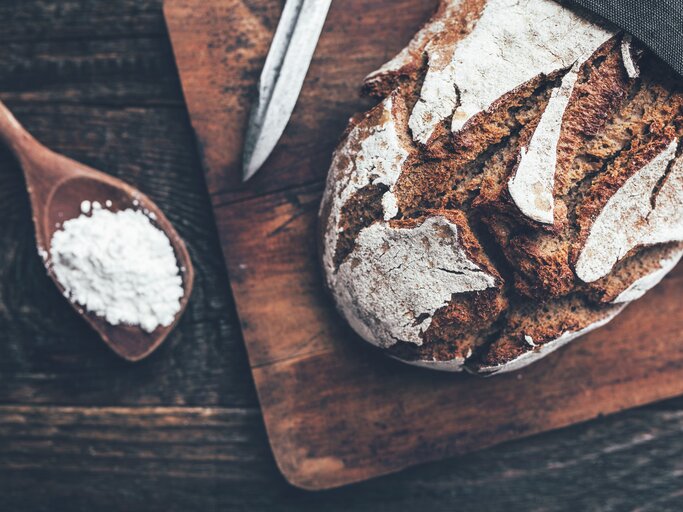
[519, 183]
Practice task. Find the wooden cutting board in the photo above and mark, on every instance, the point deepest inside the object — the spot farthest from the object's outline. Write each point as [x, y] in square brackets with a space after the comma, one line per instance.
[336, 411]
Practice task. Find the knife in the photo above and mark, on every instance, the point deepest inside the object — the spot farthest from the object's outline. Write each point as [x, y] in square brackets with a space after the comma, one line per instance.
[282, 78]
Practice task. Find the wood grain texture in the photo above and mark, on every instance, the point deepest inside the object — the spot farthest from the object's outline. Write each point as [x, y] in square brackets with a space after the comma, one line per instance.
[125, 72]
[337, 412]
[43, 20]
[76, 431]
[172, 459]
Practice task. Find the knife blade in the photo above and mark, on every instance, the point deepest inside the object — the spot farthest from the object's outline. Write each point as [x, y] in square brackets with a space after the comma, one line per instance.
[282, 78]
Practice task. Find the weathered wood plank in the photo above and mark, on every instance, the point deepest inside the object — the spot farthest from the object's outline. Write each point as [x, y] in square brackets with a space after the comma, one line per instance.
[136, 71]
[277, 279]
[47, 354]
[176, 459]
[31, 20]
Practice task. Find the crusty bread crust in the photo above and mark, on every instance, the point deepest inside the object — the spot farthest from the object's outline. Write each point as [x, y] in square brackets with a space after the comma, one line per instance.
[520, 181]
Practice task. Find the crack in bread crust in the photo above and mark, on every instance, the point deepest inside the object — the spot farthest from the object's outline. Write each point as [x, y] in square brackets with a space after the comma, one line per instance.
[630, 218]
[460, 220]
[506, 49]
[398, 277]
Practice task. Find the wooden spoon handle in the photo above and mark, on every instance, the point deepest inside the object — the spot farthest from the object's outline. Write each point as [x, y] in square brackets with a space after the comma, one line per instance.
[13, 133]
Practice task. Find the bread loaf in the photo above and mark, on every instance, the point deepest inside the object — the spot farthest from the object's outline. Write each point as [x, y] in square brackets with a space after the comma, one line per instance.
[519, 183]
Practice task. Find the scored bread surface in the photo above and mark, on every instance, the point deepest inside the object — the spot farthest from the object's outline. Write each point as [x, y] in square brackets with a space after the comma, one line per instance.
[519, 183]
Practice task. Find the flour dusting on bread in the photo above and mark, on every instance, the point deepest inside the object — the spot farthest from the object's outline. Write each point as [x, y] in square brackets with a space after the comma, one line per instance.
[373, 154]
[628, 57]
[411, 55]
[513, 42]
[638, 214]
[539, 351]
[520, 183]
[533, 184]
[642, 285]
[396, 278]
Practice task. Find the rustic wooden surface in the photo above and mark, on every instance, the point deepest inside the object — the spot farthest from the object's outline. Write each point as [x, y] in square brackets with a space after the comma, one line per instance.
[336, 412]
[81, 430]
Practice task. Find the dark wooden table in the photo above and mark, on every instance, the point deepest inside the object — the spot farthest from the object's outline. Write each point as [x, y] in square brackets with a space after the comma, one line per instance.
[181, 431]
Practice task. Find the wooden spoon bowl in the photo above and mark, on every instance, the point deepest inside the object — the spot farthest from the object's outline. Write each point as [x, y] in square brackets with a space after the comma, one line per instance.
[57, 186]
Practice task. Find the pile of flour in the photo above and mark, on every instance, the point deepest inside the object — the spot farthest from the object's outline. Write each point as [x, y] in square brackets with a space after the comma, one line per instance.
[119, 266]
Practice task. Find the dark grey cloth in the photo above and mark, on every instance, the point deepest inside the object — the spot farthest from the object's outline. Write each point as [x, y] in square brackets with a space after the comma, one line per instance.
[657, 23]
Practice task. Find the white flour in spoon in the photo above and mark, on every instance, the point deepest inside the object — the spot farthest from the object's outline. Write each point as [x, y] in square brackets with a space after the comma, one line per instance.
[118, 266]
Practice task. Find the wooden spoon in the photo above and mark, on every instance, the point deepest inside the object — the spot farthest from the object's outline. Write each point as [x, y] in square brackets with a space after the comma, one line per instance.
[57, 185]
